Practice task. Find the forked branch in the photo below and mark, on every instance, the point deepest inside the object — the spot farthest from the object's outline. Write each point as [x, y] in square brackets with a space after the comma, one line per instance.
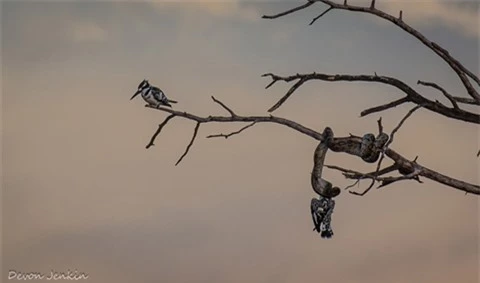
[338, 144]
[462, 72]
[411, 95]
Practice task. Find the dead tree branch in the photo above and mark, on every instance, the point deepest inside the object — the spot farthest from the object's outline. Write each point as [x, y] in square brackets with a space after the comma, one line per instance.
[390, 140]
[321, 15]
[411, 94]
[445, 93]
[380, 126]
[224, 106]
[339, 144]
[394, 131]
[351, 174]
[232, 133]
[462, 72]
[384, 106]
[195, 131]
[301, 7]
[160, 127]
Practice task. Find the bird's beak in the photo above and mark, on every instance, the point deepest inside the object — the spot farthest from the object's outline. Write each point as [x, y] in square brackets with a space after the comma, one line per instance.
[136, 93]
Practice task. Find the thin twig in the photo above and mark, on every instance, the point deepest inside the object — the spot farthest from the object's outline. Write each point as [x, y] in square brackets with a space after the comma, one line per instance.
[445, 93]
[344, 170]
[380, 126]
[353, 185]
[232, 133]
[384, 106]
[352, 174]
[390, 140]
[287, 95]
[390, 180]
[365, 191]
[319, 16]
[384, 171]
[412, 95]
[309, 3]
[462, 72]
[160, 127]
[224, 106]
[195, 131]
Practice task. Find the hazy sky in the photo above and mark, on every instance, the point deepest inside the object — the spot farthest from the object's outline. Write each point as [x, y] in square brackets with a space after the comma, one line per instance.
[80, 191]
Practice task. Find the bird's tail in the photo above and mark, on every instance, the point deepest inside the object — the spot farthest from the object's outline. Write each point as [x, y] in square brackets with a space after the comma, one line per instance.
[172, 101]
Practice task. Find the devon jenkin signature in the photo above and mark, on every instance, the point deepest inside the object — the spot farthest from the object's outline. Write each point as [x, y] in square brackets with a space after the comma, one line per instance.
[53, 275]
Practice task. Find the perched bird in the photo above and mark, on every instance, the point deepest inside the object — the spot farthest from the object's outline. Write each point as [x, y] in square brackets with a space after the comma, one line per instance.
[152, 95]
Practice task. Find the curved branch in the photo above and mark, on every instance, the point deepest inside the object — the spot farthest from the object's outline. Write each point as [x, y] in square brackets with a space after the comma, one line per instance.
[160, 127]
[232, 133]
[238, 118]
[462, 72]
[301, 7]
[444, 92]
[384, 106]
[195, 131]
[342, 144]
[224, 106]
[412, 95]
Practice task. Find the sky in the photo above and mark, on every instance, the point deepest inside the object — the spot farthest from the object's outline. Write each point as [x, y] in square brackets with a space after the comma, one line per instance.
[81, 192]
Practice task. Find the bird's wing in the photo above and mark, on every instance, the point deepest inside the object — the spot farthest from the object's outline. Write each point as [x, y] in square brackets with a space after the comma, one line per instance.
[158, 93]
[313, 208]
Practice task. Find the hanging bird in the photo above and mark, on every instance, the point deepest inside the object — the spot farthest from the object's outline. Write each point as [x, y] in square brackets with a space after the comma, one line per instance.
[321, 210]
[152, 95]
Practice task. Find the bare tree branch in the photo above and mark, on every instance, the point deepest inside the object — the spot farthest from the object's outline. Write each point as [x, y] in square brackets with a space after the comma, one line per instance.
[390, 140]
[224, 106]
[160, 127]
[195, 131]
[445, 93]
[365, 191]
[339, 144]
[384, 106]
[380, 126]
[370, 175]
[389, 180]
[232, 133]
[319, 16]
[301, 7]
[462, 72]
[465, 100]
[351, 174]
[394, 131]
[276, 78]
[412, 95]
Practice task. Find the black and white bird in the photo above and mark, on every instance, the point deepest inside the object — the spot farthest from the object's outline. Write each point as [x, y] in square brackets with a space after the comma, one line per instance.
[152, 95]
[322, 209]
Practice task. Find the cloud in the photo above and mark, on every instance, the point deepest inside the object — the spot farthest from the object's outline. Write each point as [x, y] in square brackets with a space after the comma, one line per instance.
[232, 8]
[462, 17]
[88, 32]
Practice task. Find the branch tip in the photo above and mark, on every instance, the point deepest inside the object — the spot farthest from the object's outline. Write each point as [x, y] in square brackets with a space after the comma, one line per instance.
[195, 131]
[319, 16]
[160, 127]
[232, 133]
